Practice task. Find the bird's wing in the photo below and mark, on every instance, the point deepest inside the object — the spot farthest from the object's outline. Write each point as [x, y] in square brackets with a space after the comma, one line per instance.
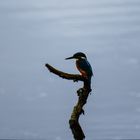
[85, 66]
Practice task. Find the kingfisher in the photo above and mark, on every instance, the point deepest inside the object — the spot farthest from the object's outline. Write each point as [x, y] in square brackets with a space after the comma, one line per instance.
[82, 65]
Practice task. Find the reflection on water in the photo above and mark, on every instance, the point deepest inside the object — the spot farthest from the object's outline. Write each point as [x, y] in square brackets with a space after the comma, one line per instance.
[107, 30]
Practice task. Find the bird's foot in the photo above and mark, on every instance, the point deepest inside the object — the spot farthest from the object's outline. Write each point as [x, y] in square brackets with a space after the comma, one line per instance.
[75, 80]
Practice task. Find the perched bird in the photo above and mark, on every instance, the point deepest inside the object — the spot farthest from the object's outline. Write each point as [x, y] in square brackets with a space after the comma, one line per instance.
[82, 65]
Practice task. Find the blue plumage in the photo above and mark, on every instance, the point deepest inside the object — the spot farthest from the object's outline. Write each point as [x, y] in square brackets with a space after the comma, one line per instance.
[84, 67]
[82, 64]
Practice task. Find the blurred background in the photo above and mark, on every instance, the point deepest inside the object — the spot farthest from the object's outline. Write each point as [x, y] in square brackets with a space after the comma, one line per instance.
[34, 103]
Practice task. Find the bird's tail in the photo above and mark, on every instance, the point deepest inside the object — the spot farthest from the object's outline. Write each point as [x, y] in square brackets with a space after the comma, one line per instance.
[89, 83]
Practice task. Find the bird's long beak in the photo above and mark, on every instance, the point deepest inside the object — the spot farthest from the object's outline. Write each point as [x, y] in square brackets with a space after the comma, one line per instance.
[69, 58]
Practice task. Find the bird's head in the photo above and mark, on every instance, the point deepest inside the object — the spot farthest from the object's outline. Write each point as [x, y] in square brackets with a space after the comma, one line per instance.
[78, 55]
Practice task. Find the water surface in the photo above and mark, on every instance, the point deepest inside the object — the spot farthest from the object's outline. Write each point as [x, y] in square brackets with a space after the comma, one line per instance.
[35, 104]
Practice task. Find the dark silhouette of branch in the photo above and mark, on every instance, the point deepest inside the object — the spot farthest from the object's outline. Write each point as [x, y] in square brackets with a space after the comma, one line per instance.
[75, 77]
[78, 108]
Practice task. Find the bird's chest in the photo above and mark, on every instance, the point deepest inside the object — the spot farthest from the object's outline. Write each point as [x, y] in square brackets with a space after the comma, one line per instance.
[79, 65]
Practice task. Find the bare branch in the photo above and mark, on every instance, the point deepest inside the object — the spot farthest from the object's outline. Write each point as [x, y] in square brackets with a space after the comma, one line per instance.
[74, 77]
[82, 93]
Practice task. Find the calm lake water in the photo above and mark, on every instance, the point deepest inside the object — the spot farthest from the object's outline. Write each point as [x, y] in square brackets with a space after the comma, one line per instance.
[35, 104]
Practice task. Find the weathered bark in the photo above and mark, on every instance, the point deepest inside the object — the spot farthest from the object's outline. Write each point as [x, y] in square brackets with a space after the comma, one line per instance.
[78, 108]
